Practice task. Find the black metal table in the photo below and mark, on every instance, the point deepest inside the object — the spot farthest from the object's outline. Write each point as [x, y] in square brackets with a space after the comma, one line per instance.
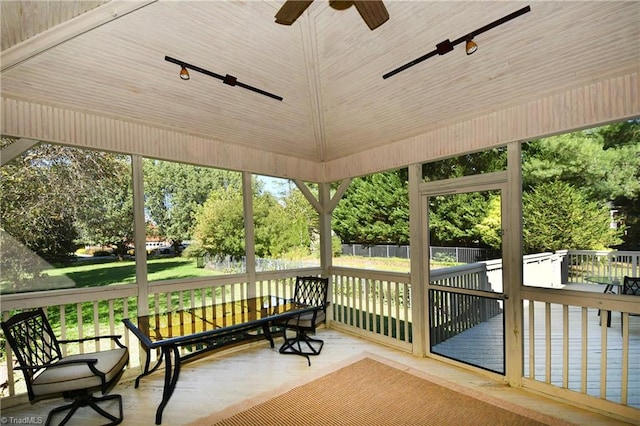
[201, 329]
[612, 286]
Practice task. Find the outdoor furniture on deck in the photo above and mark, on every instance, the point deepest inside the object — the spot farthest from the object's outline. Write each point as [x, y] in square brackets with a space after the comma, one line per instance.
[631, 287]
[612, 286]
[202, 329]
[49, 374]
[309, 291]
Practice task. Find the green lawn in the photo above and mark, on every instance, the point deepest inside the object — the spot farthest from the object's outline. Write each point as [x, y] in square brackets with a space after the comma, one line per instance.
[100, 274]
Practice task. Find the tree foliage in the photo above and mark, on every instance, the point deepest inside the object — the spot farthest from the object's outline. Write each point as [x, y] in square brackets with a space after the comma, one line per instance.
[558, 216]
[219, 223]
[285, 226]
[374, 210]
[52, 196]
[280, 226]
[174, 192]
[602, 163]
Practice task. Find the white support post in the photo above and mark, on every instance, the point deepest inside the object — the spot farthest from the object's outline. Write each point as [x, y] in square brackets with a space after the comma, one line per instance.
[417, 227]
[139, 241]
[249, 232]
[324, 224]
[512, 264]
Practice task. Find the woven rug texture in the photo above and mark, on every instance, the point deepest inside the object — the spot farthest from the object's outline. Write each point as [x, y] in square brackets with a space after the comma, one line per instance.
[369, 392]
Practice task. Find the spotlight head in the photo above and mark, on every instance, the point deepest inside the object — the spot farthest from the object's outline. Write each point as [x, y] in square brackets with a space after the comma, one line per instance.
[184, 73]
[471, 46]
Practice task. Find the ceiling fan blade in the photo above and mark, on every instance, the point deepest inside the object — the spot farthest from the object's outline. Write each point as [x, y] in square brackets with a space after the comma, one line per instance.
[291, 10]
[373, 12]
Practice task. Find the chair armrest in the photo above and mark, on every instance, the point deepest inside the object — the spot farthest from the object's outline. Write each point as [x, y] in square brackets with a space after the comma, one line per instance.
[58, 364]
[114, 337]
[85, 339]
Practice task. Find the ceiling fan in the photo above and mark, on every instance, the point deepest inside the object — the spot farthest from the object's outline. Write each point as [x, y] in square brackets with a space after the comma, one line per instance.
[373, 12]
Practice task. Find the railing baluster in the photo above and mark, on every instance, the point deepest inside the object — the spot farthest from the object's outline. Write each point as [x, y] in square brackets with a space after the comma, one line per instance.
[547, 323]
[63, 327]
[584, 364]
[80, 326]
[96, 324]
[603, 354]
[10, 379]
[565, 346]
[624, 383]
[532, 340]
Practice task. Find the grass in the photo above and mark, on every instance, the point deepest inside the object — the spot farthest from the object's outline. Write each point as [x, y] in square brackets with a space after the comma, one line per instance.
[101, 274]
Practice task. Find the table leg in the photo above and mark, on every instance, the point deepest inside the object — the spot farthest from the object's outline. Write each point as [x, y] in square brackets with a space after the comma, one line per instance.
[170, 377]
[266, 329]
[607, 290]
[146, 371]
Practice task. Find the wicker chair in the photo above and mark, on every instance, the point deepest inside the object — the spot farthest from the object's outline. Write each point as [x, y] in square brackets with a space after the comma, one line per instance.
[49, 374]
[309, 291]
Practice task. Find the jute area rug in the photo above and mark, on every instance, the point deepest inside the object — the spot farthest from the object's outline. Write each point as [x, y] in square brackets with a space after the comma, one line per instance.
[370, 392]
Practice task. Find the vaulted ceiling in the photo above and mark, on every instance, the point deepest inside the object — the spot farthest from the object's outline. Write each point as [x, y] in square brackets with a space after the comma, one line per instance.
[107, 59]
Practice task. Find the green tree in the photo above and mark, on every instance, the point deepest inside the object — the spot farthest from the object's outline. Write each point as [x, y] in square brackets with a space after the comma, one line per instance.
[580, 159]
[290, 226]
[558, 216]
[52, 199]
[486, 161]
[604, 163]
[219, 225]
[50, 193]
[106, 216]
[374, 210]
[173, 193]
[489, 230]
[453, 219]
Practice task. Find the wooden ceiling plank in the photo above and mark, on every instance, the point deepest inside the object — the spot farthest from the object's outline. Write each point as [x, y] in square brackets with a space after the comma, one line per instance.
[67, 30]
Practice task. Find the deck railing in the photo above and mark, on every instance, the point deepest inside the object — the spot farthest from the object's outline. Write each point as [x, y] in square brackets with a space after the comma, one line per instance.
[578, 265]
[570, 351]
[99, 310]
[376, 305]
[373, 303]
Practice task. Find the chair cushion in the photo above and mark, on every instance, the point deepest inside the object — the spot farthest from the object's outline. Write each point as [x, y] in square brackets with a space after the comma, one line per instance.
[306, 320]
[79, 376]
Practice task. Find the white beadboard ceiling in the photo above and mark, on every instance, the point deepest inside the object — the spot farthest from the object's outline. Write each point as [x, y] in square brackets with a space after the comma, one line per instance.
[107, 58]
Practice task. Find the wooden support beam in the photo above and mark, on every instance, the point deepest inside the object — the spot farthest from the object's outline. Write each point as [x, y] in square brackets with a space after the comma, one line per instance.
[338, 194]
[11, 151]
[68, 30]
[309, 196]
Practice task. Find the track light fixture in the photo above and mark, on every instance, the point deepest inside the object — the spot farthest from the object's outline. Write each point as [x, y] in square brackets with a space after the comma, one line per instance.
[184, 74]
[447, 45]
[226, 79]
[471, 47]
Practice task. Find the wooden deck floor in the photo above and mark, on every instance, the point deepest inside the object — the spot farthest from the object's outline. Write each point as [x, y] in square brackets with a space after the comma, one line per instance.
[482, 346]
[221, 380]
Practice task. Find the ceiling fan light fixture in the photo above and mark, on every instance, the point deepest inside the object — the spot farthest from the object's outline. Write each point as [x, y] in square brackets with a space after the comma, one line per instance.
[471, 46]
[184, 73]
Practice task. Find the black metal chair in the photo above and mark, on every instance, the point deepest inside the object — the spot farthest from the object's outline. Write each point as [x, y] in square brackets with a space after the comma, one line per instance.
[49, 374]
[309, 291]
[631, 287]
